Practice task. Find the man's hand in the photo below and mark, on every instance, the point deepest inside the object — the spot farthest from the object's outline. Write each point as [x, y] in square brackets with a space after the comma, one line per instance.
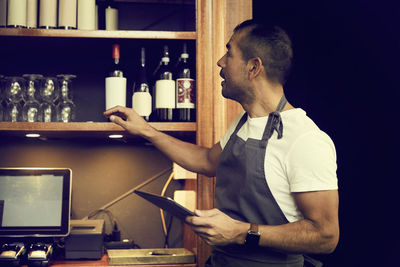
[128, 119]
[217, 228]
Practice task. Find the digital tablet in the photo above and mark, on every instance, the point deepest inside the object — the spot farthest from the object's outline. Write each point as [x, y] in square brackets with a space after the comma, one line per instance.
[167, 204]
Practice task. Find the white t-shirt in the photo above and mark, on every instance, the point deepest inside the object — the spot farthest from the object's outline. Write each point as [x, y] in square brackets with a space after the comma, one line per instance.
[303, 160]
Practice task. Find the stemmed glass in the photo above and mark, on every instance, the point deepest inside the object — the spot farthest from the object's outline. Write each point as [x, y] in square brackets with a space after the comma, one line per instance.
[30, 110]
[66, 106]
[13, 94]
[49, 93]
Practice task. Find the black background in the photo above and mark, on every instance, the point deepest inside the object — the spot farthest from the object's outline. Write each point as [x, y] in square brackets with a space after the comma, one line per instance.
[346, 78]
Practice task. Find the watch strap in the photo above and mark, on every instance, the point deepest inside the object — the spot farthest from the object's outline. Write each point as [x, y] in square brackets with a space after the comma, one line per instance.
[253, 227]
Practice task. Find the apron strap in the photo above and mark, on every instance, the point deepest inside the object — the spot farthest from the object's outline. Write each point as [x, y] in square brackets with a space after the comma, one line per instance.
[274, 123]
[240, 124]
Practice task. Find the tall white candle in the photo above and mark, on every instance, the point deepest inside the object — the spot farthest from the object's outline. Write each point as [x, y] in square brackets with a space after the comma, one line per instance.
[111, 19]
[48, 14]
[31, 15]
[96, 18]
[16, 13]
[3, 13]
[67, 14]
[86, 14]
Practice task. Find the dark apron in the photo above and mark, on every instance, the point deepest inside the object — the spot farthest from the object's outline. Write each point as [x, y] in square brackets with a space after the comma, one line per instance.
[242, 193]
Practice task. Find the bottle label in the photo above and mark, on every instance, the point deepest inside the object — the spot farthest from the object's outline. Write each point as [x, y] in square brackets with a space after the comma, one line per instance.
[141, 103]
[185, 93]
[115, 92]
[165, 94]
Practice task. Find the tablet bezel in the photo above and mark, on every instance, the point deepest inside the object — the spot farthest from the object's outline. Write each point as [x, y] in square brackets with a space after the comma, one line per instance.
[167, 204]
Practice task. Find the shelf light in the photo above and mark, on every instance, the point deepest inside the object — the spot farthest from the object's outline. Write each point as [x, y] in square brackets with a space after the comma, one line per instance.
[115, 136]
[32, 135]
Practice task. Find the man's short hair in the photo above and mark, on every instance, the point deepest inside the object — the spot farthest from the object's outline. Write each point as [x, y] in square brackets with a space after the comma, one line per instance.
[269, 42]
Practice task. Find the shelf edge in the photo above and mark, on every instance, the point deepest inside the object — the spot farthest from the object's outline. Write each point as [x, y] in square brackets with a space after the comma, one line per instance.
[89, 126]
[122, 34]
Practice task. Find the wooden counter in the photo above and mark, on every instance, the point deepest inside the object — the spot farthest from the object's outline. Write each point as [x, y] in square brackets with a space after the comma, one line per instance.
[104, 262]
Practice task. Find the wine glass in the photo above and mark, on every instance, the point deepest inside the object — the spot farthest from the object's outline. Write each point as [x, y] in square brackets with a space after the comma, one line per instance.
[49, 93]
[66, 105]
[13, 93]
[14, 89]
[49, 89]
[30, 110]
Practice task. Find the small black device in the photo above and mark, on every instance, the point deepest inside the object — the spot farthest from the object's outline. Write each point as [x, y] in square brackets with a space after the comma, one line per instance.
[253, 236]
[85, 240]
[39, 254]
[12, 254]
[167, 204]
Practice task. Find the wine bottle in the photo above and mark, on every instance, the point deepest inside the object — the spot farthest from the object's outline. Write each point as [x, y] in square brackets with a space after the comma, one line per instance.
[116, 69]
[115, 82]
[185, 89]
[141, 98]
[165, 90]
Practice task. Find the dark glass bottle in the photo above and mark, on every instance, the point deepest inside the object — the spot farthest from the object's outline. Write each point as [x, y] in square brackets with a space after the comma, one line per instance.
[116, 69]
[185, 89]
[164, 90]
[115, 81]
[141, 98]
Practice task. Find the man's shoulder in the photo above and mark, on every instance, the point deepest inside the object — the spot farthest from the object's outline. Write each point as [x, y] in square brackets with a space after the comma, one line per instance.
[297, 121]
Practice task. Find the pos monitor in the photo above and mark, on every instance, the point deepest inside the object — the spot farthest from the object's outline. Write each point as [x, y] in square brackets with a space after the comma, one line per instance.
[35, 202]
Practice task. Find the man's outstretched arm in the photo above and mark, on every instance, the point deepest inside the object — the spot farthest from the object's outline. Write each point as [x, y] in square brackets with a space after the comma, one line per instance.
[190, 156]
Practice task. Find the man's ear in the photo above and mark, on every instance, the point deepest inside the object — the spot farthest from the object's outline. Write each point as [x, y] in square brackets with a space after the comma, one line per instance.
[255, 67]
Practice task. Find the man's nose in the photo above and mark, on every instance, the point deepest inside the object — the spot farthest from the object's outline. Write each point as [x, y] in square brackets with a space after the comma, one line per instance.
[220, 62]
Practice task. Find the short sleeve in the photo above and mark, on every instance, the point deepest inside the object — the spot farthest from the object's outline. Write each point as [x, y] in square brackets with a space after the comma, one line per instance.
[311, 163]
[224, 140]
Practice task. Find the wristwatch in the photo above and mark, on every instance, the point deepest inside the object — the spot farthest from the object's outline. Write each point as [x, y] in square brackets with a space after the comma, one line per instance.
[253, 236]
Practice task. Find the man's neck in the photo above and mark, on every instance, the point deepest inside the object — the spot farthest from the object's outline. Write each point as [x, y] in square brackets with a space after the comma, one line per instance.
[266, 100]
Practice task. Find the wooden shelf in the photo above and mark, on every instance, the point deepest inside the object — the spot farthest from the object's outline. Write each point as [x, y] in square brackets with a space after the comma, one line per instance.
[85, 129]
[98, 34]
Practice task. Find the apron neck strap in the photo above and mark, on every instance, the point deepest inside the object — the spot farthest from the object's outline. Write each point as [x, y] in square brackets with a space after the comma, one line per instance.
[274, 123]
[282, 103]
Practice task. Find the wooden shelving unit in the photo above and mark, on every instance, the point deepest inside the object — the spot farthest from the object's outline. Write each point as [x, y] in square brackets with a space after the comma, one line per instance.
[214, 23]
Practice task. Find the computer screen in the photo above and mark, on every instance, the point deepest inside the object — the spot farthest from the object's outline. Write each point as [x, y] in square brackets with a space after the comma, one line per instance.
[35, 201]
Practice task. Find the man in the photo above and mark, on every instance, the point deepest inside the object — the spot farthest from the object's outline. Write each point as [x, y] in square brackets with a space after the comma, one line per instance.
[276, 187]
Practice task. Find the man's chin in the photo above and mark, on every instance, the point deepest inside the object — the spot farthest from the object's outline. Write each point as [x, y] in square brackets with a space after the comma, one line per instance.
[226, 95]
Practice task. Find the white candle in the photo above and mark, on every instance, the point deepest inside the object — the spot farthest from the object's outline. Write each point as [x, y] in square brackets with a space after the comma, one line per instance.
[3, 13]
[48, 14]
[96, 18]
[67, 14]
[16, 13]
[31, 15]
[86, 14]
[111, 19]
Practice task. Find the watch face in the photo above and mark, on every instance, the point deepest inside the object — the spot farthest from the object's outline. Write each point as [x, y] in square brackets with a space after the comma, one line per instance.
[252, 239]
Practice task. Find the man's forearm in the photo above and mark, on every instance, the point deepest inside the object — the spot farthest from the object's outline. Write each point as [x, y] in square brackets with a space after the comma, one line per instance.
[297, 237]
[301, 236]
[187, 155]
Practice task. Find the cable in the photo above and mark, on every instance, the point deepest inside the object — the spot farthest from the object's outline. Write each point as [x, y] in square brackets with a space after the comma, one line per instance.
[115, 234]
[109, 204]
[162, 212]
